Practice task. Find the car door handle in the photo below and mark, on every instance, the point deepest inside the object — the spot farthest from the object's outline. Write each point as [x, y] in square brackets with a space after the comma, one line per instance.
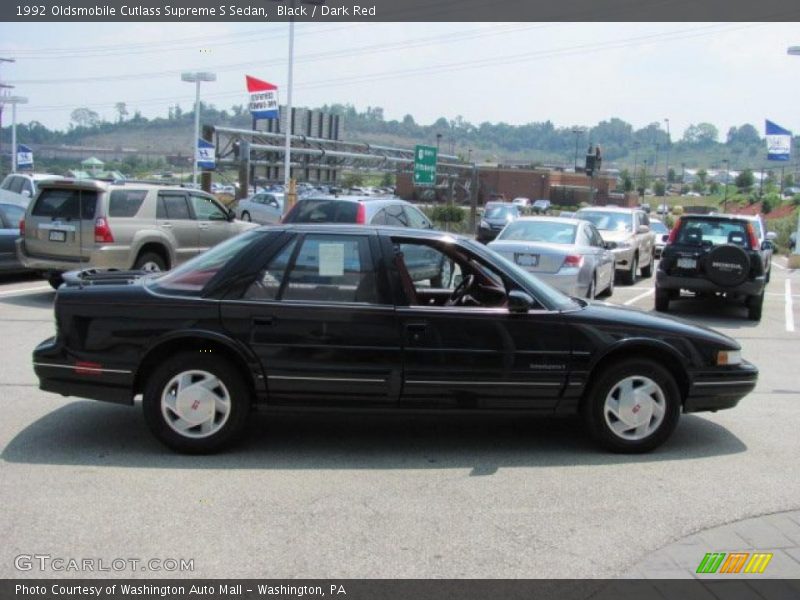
[203, 225]
[167, 225]
[263, 321]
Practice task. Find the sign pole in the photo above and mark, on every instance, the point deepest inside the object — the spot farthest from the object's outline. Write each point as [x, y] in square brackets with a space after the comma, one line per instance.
[287, 152]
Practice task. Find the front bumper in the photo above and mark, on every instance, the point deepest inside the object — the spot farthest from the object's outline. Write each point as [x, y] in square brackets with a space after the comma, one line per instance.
[60, 372]
[720, 388]
[751, 287]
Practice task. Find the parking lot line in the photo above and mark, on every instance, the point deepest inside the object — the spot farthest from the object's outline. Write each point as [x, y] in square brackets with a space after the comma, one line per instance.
[25, 290]
[781, 267]
[639, 297]
[789, 309]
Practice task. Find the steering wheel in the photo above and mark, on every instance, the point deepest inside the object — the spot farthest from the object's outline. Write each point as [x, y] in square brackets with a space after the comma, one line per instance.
[461, 290]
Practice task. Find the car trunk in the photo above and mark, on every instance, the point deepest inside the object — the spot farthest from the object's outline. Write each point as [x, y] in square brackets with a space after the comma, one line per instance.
[61, 222]
[539, 257]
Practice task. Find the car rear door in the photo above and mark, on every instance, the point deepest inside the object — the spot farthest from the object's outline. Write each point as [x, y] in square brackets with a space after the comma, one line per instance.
[174, 219]
[320, 319]
[60, 222]
[213, 224]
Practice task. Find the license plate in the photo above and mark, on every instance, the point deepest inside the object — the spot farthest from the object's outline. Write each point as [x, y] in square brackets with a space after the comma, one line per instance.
[527, 260]
[58, 236]
[687, 263]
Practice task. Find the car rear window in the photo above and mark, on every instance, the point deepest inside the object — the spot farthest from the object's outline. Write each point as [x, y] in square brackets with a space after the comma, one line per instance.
[323, 211]
[65, 204]
[539, 231]
[125, 203]
[608, 221]
[712, 232]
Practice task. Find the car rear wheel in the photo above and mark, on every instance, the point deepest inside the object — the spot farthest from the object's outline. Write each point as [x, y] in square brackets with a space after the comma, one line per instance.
[246, 216]
[150, 262]
[629, 277]
[662, 300]
[633, 406]
[755, 305]
[196, 403]
[592, 291]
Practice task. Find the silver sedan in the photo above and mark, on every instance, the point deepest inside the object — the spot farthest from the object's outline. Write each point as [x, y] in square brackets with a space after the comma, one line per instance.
[569, 254]
[264, 208]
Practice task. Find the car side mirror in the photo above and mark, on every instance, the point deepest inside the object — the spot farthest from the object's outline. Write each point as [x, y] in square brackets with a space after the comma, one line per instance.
[231, 214]
[519, 302]
[766, 245]
[665, 237]
[643, 229]
[609, 245]
[771, 236]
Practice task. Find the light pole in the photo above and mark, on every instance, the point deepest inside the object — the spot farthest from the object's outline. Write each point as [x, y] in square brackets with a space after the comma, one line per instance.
[438, 141]
[635, 159]
[795, 51]
[13, 101]
[196, 77]
[669, 143]
[577, 131]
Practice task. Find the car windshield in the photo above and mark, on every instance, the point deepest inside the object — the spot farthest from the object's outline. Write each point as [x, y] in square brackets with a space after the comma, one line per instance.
[607, 220]
[547, 295]
[539, 231]
[658, 226]
[501, 212]
[191, 277]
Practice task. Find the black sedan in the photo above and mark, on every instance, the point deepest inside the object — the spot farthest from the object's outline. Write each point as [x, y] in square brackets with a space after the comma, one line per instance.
[326, 316]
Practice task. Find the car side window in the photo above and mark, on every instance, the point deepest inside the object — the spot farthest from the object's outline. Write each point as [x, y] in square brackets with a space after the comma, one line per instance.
[585, 237]
[6, 185]
[172, 206]
[267, 285]
[379, 218]
[416, 219]
[16, 184]
[205, 209]
[12, 215]
[326, 268]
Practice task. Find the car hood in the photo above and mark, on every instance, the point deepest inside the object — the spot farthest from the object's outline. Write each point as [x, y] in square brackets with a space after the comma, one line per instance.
[630, 322]
[615, 236]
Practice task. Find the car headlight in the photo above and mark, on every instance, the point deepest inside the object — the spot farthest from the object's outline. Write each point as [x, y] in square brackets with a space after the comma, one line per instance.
[729, 357]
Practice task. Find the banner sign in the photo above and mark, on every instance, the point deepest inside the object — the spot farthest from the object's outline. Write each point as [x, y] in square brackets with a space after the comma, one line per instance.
[263, 98]
[24, 157]
[779, 142]
[206, 154]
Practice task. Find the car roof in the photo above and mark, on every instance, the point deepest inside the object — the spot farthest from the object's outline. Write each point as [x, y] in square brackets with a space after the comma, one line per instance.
[617, 209]
[354, 198]
[98, 185]
[566, 220]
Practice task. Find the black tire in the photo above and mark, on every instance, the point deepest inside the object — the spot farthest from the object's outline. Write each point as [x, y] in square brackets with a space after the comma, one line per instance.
[755, 304]
[629, 277]
[647, 272]
[246, 216]
[55, 280]
[591, 293]
[609, 291]
[232, 382]
[445, 276]
[594, 406]
[662, 300]
[150, 261]
[769, 274]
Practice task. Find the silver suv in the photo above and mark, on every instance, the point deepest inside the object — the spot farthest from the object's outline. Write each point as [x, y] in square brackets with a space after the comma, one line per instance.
[626, 232]
[74, 224]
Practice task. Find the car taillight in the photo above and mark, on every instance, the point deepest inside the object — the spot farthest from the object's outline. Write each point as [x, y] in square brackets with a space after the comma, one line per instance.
[102, 232]
[674, 231]
[361, 215]
[751, 232]
[22, 227]
[572, 261]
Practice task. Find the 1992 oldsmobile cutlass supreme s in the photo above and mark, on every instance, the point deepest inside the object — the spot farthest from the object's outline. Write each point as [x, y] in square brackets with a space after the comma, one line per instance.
[339, 316]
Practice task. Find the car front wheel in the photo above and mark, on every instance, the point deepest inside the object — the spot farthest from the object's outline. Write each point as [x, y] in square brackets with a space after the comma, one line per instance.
[632, 407]
[196, 403]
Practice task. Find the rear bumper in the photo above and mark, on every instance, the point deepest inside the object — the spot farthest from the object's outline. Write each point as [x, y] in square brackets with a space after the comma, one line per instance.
[566, 281]
[67, 375]
[720, 388]
[105, 257]
[751, 287]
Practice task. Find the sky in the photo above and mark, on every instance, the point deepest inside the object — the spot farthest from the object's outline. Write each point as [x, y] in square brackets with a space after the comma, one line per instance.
[568, 73]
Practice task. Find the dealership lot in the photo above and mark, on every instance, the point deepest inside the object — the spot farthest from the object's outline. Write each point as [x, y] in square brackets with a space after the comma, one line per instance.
[368, 496]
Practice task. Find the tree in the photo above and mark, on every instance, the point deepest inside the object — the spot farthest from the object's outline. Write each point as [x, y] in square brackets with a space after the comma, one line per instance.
[387, 180]
[698, 186]
[352, 180]
[122, 111]
[84, 117]
[788, 180]
[702, 176]
[713, 187]
[702, 134]
[659, 188]
[641, 180]
[627, 181]
[745, 135]
[744, 180]
[671, 175]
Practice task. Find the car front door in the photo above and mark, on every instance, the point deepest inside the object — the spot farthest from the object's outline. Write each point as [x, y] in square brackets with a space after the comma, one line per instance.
[213, 223]
[320, 318]
[475, 356]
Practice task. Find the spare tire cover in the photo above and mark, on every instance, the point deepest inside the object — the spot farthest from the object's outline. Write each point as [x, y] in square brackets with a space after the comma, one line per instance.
[727, 265]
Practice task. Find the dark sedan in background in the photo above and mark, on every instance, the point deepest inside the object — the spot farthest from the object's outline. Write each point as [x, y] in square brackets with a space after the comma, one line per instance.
[328, 316]
[496, 216]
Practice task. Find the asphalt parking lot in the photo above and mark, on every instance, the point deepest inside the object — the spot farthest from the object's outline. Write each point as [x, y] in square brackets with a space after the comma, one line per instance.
[374, 497]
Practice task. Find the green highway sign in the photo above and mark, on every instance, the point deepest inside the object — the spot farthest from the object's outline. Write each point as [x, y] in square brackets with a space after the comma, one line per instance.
[425, 165]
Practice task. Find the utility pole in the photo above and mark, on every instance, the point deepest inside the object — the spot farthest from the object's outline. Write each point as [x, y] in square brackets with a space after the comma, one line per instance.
[13, 101]
[669, 143]
[577, 131]
[3, 86]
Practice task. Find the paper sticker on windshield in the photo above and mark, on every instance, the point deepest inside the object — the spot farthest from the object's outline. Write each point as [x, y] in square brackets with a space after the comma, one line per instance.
[331, 260]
